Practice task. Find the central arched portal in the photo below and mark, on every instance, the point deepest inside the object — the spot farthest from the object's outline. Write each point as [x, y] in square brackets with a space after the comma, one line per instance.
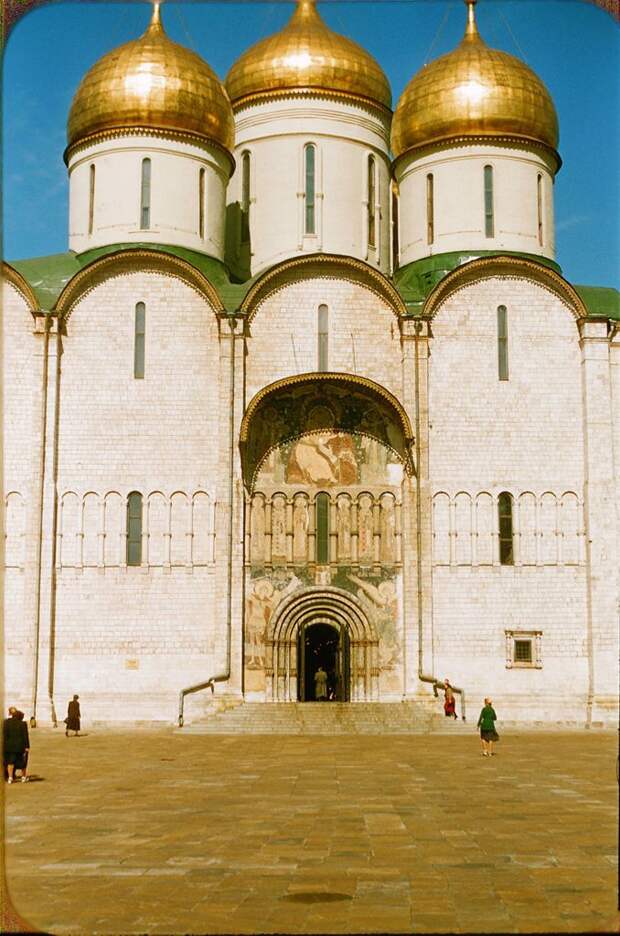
[325, 646]
[327, 463]
[321, 627]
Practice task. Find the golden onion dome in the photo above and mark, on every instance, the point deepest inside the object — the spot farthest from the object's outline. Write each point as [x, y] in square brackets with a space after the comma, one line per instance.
[154, 83]
[307, 56]
[474, 91]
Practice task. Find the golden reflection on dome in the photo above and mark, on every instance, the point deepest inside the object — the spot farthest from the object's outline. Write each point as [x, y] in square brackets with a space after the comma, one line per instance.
[152, 82]
[307, 56]
[474, 91]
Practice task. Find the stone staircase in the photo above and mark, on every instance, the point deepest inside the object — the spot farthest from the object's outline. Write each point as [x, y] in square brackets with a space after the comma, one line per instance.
[326, 718]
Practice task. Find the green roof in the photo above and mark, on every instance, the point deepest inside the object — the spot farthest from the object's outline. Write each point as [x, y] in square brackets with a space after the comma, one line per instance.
[47, 276]
[600, 300]
[416, 280]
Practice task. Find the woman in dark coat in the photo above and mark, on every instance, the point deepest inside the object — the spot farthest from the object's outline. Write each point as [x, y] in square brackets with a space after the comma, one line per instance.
[72, 721]
[16, 743]
[486, 723]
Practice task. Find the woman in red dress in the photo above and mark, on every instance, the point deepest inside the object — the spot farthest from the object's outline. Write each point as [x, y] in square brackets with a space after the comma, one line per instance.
[449, 705]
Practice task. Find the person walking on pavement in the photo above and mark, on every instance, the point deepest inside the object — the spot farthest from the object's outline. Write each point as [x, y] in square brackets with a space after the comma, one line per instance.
[486, 723]
[23, 764]
[320, 685]
[72, 721]
[16, 743]
[449, 705]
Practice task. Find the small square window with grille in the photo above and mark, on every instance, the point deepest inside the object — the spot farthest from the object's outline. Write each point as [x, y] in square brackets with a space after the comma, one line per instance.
[523, 651]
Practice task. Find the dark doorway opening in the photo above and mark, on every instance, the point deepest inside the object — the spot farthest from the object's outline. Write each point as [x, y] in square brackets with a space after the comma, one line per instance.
[326, 646]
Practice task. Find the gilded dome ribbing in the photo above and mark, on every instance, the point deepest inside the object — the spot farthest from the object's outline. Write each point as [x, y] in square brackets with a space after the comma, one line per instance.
[474, 91]
[154, 83]
[307, 56]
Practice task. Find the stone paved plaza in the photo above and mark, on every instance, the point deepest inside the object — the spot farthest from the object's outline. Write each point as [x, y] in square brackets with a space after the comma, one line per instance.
[165, 832]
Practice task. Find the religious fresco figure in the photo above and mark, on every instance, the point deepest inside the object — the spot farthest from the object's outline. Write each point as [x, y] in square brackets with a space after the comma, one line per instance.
[259, 606]
[257, 530]
[323, 458]
[258, 610]
[300, 528]
[311, 461]
[388, 530]
[380, 602]
[343, 526]
[278, 527]
[343, 447]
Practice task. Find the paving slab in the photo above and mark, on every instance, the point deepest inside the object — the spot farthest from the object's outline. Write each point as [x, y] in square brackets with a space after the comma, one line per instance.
[125, 832]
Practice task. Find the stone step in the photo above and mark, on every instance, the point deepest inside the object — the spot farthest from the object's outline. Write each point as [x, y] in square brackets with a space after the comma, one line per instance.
[329, 718]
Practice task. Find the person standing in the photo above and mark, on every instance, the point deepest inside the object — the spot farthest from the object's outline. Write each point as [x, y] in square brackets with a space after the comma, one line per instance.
[72, 721]
[320, 685]
[23, 764]
[449, 705]
[486, 723]
[16, 743]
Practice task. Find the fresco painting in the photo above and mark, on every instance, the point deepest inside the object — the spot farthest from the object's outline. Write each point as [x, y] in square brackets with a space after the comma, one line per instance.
[378, 595]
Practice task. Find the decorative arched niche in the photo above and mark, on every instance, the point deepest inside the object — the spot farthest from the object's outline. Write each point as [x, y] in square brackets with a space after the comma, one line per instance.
[308, 405]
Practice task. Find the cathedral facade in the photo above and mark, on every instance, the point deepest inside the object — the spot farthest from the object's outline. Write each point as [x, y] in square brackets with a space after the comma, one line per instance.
[309, 389]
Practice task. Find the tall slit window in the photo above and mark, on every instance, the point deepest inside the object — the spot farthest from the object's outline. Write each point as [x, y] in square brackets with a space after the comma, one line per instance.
[134, 529]
[323, 338]
[504, 508]
[322, 529]
[201, 203]
[245, 198]
[145, 195]
[489, 221]
[91, 200]
[502, 342]
[372, 197]
[539, 204]
[138, 347]
[310, 188]
[395, 243]
[430, 209]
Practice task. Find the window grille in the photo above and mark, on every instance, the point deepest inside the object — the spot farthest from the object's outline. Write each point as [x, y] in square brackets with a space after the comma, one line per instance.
[322, 529]
[430, 209]
[201, 204]
[504, 505]
[91, 200]
[139, 336]
[310, 191]
[523, 649]
[134, 529]
[539, 202]
[489, 220]
[145, 195]
[502, 342]
[372, 196]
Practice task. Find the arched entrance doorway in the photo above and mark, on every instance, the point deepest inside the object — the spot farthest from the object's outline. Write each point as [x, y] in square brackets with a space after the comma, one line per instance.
[321, 625]
[325, 645]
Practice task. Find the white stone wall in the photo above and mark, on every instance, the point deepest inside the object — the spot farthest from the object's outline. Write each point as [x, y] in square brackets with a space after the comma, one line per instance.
[459, 207]
[21, 389]
[345, 135]
[174, 201]
[364, 338]
[523, 435]
[144, 632]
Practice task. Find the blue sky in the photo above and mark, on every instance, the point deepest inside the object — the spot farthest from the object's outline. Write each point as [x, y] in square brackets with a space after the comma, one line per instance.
[572, 45]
